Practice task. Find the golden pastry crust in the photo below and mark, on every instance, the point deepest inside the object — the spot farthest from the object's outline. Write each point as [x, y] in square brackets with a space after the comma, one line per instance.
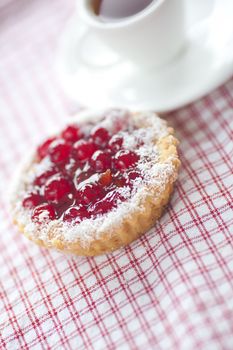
[132, 225]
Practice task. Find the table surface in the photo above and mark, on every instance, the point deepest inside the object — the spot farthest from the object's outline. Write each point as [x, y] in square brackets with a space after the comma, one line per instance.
[171, 289]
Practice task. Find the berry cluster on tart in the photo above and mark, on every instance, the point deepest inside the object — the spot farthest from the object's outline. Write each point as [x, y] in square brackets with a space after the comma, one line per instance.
[98, 184]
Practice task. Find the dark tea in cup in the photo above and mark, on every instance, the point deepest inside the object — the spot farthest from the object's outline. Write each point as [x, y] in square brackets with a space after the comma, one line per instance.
[117, 9]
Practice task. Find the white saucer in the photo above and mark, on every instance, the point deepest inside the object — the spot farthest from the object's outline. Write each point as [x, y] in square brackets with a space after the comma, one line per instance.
[97, 77]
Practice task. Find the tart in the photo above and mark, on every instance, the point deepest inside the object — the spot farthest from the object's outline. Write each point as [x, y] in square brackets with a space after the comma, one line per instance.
[98, 184]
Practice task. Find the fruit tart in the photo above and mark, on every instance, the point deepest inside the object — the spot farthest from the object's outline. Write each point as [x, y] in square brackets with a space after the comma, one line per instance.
[98, 184]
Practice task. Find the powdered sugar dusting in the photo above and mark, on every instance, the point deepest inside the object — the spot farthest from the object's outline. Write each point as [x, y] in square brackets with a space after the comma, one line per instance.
[141, 134]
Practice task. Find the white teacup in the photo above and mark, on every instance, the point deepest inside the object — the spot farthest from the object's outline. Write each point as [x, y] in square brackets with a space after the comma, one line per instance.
[151, 37]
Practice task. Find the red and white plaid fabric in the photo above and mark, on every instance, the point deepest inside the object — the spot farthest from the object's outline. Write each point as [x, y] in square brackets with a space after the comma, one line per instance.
[171, 289]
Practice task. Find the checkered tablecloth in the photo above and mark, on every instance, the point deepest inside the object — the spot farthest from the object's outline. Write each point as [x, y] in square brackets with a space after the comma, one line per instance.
[171, 289]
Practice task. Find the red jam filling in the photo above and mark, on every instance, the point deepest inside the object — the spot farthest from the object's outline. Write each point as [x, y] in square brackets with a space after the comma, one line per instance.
[87, 167]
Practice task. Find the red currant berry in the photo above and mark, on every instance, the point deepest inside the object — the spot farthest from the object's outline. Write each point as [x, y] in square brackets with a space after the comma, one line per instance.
[43, 213]
[57, 190]
[109, 202]
[42, 150]
[124, 159]
[59, 152]
[100, 136]
[71, 134]
[102, 207]
[115, 143]
[72, 167]
[41, 179]
[76, 214]
[83, 150]
[101, 161]
[32, 200]
[81, 176]
[89, 193]
[133, 175]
